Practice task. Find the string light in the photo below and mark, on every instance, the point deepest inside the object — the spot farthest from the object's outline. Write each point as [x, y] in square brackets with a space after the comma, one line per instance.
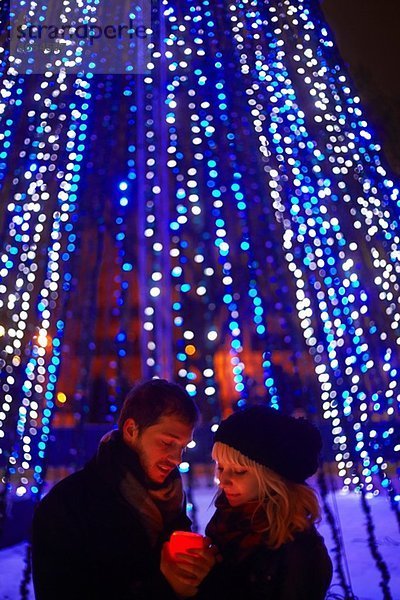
[32, 207]
[265, 219]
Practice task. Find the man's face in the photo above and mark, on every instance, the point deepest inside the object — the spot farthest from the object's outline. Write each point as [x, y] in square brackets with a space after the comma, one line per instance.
[159, 446]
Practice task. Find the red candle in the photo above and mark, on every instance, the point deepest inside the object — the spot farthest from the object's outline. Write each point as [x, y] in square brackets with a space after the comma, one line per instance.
[182, 541]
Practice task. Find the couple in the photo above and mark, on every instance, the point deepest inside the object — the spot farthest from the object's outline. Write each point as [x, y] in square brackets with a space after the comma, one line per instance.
[102, 533]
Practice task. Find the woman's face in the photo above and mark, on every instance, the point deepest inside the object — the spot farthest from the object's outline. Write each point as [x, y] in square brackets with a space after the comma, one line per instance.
[240, 484]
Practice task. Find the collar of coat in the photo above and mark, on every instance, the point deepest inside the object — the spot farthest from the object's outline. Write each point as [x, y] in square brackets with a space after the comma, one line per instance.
[157, 504]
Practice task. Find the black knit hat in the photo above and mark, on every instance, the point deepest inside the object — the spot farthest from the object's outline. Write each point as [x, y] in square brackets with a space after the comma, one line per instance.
[288, 446]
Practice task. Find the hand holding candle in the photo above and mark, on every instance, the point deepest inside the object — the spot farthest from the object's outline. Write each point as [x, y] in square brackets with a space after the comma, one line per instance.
[182, 541]
[186, 560]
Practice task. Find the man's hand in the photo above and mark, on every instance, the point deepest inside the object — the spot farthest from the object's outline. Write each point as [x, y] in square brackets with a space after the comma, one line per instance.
[180, 579]
[199, 562]
[186, 571]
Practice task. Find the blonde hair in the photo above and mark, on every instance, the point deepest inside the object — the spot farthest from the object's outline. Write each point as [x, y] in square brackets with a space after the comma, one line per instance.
[284, 507]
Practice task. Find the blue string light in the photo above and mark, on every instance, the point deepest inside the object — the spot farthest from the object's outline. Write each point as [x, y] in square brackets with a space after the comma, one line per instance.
[265, 223]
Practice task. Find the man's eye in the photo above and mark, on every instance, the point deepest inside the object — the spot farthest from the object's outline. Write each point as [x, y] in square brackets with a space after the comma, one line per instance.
[239, 472]
[165, 443]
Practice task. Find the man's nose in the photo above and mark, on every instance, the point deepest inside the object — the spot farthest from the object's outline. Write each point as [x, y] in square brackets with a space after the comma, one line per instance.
[175, 456]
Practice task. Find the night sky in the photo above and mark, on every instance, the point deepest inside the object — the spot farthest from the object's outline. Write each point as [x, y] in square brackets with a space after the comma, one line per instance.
[367, 34]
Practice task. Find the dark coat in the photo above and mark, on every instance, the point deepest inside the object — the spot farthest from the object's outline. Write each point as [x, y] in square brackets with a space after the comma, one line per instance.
[298, 570]
[89, 543]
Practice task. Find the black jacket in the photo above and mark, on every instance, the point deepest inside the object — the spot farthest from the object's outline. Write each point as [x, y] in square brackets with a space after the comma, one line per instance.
[250, 570]
[89, 543]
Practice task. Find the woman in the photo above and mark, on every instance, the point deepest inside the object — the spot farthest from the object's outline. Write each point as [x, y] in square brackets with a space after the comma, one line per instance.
[264, 522]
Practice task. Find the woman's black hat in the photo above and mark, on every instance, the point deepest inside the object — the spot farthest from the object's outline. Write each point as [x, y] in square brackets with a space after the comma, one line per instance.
[288, 446]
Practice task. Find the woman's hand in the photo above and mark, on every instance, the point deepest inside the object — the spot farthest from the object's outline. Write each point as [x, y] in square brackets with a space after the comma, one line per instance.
[186, 571]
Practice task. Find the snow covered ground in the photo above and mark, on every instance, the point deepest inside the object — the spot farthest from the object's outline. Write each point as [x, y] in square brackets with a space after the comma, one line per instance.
[364, 575]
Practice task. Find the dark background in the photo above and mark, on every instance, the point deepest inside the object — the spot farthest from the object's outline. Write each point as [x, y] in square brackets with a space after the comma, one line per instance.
[367, 33]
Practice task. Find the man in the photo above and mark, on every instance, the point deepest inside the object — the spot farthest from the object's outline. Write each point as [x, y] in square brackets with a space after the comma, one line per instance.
[100, 533]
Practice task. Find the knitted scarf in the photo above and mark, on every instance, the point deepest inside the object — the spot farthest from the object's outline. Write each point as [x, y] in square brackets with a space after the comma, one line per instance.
[157, 504]
[236, 530]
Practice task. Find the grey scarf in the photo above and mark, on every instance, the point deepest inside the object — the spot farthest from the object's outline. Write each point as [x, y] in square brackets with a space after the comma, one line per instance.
[158, 505]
